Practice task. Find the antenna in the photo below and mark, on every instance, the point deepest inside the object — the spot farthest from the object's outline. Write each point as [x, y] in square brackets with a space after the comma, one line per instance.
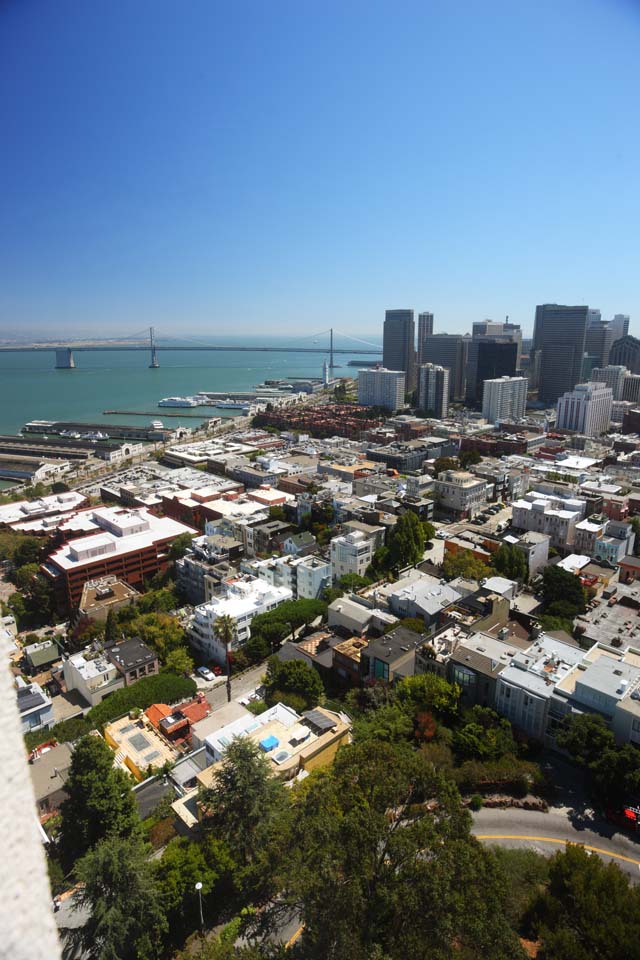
[154, 355]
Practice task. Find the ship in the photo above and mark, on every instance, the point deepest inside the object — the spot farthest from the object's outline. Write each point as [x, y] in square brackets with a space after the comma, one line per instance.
[179, 402]
[233, 404]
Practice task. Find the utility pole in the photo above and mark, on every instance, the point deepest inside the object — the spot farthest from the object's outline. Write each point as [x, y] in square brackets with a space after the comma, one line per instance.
[154, 355]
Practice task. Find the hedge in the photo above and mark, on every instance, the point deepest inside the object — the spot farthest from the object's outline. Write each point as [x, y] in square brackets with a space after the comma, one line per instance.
[161, 688]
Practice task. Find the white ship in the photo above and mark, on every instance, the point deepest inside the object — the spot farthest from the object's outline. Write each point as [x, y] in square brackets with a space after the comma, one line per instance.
[233, 404]
[179, 402]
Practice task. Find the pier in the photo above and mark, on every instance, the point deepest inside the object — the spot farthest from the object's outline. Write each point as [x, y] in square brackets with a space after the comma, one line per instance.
[157, 416]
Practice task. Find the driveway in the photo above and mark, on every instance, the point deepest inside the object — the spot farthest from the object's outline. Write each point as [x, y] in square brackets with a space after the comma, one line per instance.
[547, 833]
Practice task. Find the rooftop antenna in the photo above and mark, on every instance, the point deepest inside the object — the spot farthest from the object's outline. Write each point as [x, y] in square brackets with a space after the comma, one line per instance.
[154, 355]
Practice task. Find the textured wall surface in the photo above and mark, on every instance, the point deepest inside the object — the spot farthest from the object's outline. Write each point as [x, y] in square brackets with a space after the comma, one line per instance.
[28, 929]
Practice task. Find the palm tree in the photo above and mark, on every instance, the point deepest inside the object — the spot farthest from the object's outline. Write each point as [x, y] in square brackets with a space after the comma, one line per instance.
[225, 628]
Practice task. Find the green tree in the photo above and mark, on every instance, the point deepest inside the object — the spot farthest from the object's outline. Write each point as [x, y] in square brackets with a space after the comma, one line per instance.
[185, 863]
[585, 736]
[120, 891]
[157, 601]
[406, 541]
[510, 562]
[484, 736]
[111, 630]
[559, 585]
[463, 563]
[468, 458]
[444, 463]
[180, 546]
[159, 631]
[27, 551]
[179, 661]
[429, 692]
[353, 582]
[615, 776]
[428, 531]
[99, 800]
[293, 677]
[25, 575]
[257, 648]
[588, 910]
[409, 884]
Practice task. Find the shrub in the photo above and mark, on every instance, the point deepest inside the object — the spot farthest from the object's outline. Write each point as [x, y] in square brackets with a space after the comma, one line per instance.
[476, 802]
[162, 688]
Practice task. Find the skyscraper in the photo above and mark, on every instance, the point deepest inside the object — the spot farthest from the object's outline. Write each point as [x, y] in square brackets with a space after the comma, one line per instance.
[381, 388]
[620, 326]
[449, 350]
[433, 389]
[505, 397]
[488, 357]
[586, 409]
[612, 376]
[626, 352]
[425, 329]
[599, 340]
[398, 346]
[558, 348]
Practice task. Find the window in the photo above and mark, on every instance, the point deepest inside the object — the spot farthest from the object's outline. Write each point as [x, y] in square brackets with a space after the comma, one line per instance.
[380, 670]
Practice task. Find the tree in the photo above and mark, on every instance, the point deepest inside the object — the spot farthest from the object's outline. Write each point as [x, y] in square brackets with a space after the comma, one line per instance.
[293, 677]
[27, 551]
[185, 863]
[585, 736]
[444, 463]
[180, 546]
[111, 631]
[485, 736]
[468, 458]
[353, 582]
[428, 531]
[25, 575]
[59, 487]
[510, 562]
[179, 661]
[409, 884]
[159, 631]
[99, 800]
[463, 563]
[120, 891]
[157, 601]
[244, 802]
[406, 541]
[635, 523]
[429, 692]
[589, 909]
[559, 585]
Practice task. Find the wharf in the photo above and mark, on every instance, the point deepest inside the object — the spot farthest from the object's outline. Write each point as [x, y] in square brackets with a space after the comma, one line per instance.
[156, 416]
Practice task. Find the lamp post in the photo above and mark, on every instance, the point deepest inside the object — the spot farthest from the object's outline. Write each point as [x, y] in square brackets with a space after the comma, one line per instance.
[199, 889]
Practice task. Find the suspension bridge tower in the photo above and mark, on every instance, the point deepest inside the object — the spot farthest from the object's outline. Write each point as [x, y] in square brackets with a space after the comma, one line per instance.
[331, 350]
[154, 353]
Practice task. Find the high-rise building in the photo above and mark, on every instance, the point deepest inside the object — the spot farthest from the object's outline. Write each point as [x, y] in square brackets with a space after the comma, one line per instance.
[626, 352]
[506, 331]
[504, 398]
[558, 347]
[449, 350]
[586, 409]
[433, 389]
[594, 316]
[612, 376]
[381, 388]
[598, 341]
[620, 325]
[425, 329]
[398, 346]
[488, 357]
[631, 387]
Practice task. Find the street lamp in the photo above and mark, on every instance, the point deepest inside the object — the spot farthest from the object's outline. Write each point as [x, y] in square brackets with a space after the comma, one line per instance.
[199, 889]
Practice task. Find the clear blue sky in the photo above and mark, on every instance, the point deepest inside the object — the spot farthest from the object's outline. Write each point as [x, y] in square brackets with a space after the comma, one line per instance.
[282, 166]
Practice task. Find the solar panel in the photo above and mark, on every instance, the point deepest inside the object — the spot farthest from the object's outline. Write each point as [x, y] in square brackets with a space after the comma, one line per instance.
[29, 699]
[151, 756]
[139, 742]
[319, 720]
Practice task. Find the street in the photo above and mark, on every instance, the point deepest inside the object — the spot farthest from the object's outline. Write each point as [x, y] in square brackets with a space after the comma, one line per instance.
[241, 686]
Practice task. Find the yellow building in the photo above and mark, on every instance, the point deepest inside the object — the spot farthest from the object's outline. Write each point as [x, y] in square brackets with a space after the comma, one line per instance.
[138, 746]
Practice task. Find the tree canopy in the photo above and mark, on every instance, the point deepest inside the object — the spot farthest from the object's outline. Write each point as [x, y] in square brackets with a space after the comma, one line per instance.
[560, 586]
[463, 563]
[511, 562]
[293, 677]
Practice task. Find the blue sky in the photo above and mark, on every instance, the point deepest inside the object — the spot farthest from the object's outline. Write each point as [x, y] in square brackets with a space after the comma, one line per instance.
[284, 166]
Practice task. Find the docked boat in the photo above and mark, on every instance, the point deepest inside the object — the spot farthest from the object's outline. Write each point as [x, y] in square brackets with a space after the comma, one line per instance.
[179, 402]
[233, 404]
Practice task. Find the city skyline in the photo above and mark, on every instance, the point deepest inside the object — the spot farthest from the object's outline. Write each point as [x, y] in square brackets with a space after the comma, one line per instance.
[252, 170]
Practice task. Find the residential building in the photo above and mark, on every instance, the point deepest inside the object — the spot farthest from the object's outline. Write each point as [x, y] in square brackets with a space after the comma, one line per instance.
[305, 577]
[300, 544]
[398, 347]
[535, 547]
[460, 492]
[586, 409]
[626, 352]
[433, 390]
[381, 387]
[93, 674]
[243, 598]
[132, 545]
[504, 397]
[34, 706]
[133, 659]
[139, 747]
[200, 562]
[421, 596]
[476, 662]
[354, 616]
[449, 350]
[390, 657]
[48, 770]
[613, 377]
[101, 597]
[41, 656]
[558, 348]
[552, 515]
[351, 553]
[425, 329]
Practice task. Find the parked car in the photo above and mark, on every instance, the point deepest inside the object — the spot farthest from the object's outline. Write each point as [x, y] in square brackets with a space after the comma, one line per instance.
[205, 673]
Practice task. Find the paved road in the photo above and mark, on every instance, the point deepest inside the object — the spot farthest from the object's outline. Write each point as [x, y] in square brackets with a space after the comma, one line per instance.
[547, 832]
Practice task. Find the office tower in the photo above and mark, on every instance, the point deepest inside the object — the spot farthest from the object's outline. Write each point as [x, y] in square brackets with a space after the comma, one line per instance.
[398, 347]
[558, 348]
[504, 398]
[433, 389]
[449, 350]
[612, 376]
[631, 387]
[594, 316]
[381, 388]
[586, 409]
[488, 357]
[425, 329]
[598, 341]
[626, 352]
[620, 325]
[486, 328]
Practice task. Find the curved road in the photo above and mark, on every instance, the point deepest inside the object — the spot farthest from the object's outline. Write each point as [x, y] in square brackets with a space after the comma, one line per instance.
[548, 832]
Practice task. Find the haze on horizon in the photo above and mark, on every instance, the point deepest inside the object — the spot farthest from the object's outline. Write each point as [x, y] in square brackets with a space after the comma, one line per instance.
[277, 169]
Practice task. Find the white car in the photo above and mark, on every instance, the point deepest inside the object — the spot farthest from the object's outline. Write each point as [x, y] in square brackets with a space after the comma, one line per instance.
[441, 535]
[205, 673]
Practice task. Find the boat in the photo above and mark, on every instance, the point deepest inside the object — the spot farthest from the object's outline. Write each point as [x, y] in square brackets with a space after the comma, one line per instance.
[233, 404]
[179, 402]
[157, 425]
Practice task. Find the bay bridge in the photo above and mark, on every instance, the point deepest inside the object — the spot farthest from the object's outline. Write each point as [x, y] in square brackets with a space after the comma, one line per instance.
[148, 341]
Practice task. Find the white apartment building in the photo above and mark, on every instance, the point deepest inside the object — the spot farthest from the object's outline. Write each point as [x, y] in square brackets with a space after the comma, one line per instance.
[314, 575]
[631, 387]
[433, 389]
[94, 676]
[381, 388]
[555, 516]
[586, 409]
[460, 492]
[504, 398]
[306, 577]
[611, 376]
[351, 553]
[244, 598]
